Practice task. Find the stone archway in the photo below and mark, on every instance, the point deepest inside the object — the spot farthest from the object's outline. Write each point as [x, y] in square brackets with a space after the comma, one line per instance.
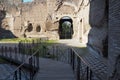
[38, 28]
[65, 28]
[30, 27]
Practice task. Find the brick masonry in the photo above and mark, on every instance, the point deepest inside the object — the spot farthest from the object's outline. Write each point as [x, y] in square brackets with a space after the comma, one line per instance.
[114, 40]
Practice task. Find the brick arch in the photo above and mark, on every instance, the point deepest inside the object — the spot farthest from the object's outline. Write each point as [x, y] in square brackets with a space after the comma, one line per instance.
[30, 27]
[64, 33]
[38, 28]
[60, 16]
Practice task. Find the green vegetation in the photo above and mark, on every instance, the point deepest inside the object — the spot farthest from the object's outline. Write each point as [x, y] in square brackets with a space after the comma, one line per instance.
[24, 50]
[2, 61]
[43, 49]
[15, 40]
[83, 51]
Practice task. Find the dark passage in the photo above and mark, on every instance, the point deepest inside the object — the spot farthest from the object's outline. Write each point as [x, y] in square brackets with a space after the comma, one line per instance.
[65, 28]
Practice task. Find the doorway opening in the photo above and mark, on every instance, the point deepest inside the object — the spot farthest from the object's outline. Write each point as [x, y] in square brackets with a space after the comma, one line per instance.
[30, 27]
[38, 28]
[65, 28]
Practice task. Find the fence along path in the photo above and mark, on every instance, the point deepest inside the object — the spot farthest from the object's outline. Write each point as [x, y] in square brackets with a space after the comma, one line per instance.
[48, 69]
[94, 61]
[54, 70]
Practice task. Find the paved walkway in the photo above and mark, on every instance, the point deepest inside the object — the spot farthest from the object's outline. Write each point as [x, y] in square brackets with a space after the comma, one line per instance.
[71, 42]
[97, 63]
[5, 69]
[50, 69]
[54, 70]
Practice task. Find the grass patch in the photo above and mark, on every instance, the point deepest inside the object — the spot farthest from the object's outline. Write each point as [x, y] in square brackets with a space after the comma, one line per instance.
[49, 42]
[16, 40]
[43, 49]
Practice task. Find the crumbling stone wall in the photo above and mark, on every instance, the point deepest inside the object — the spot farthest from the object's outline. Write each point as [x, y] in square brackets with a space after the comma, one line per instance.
[4, 23]
[114, 40]
[83, 20]
[43, 13]
[99, 26]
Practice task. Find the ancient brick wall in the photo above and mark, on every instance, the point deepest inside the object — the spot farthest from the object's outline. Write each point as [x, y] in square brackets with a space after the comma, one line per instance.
[114, 40]
[99, 25]
[84, 25]
[37, 13]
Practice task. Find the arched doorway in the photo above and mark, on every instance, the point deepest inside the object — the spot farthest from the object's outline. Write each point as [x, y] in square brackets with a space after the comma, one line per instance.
[38, 28]
[65, 28]
[30, 27]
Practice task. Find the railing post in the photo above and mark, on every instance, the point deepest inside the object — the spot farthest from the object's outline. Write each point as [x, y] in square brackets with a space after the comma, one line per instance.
[10, 55]
[78, 68]
[5, 50]
[34, 66]
[15, 76]
[31, 71]
[19, 46]
[90, 74]
[2, 50]
[20, 74]
[53, 50]
[15, 50]
[57, 52]
[87, 76]
[72, 59]
[37, 59]
[70, 56]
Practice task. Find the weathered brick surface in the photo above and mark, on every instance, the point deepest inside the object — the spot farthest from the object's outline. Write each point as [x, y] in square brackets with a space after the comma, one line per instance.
[97, 13]
[95, 62]
[99, 28]
[36, 13]
[114, 40]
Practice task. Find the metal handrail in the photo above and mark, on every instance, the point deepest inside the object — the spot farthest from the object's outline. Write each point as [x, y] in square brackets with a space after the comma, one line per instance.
[33, 62]
[76, 61]
[88, 69]
[22, 44]
[87, 64]
[21, 64]
[79, 56]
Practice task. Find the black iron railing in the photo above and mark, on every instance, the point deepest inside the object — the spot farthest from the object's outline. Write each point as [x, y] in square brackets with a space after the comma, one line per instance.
[81, 69]
[29, 53]
[30, 62]
[25, 56]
